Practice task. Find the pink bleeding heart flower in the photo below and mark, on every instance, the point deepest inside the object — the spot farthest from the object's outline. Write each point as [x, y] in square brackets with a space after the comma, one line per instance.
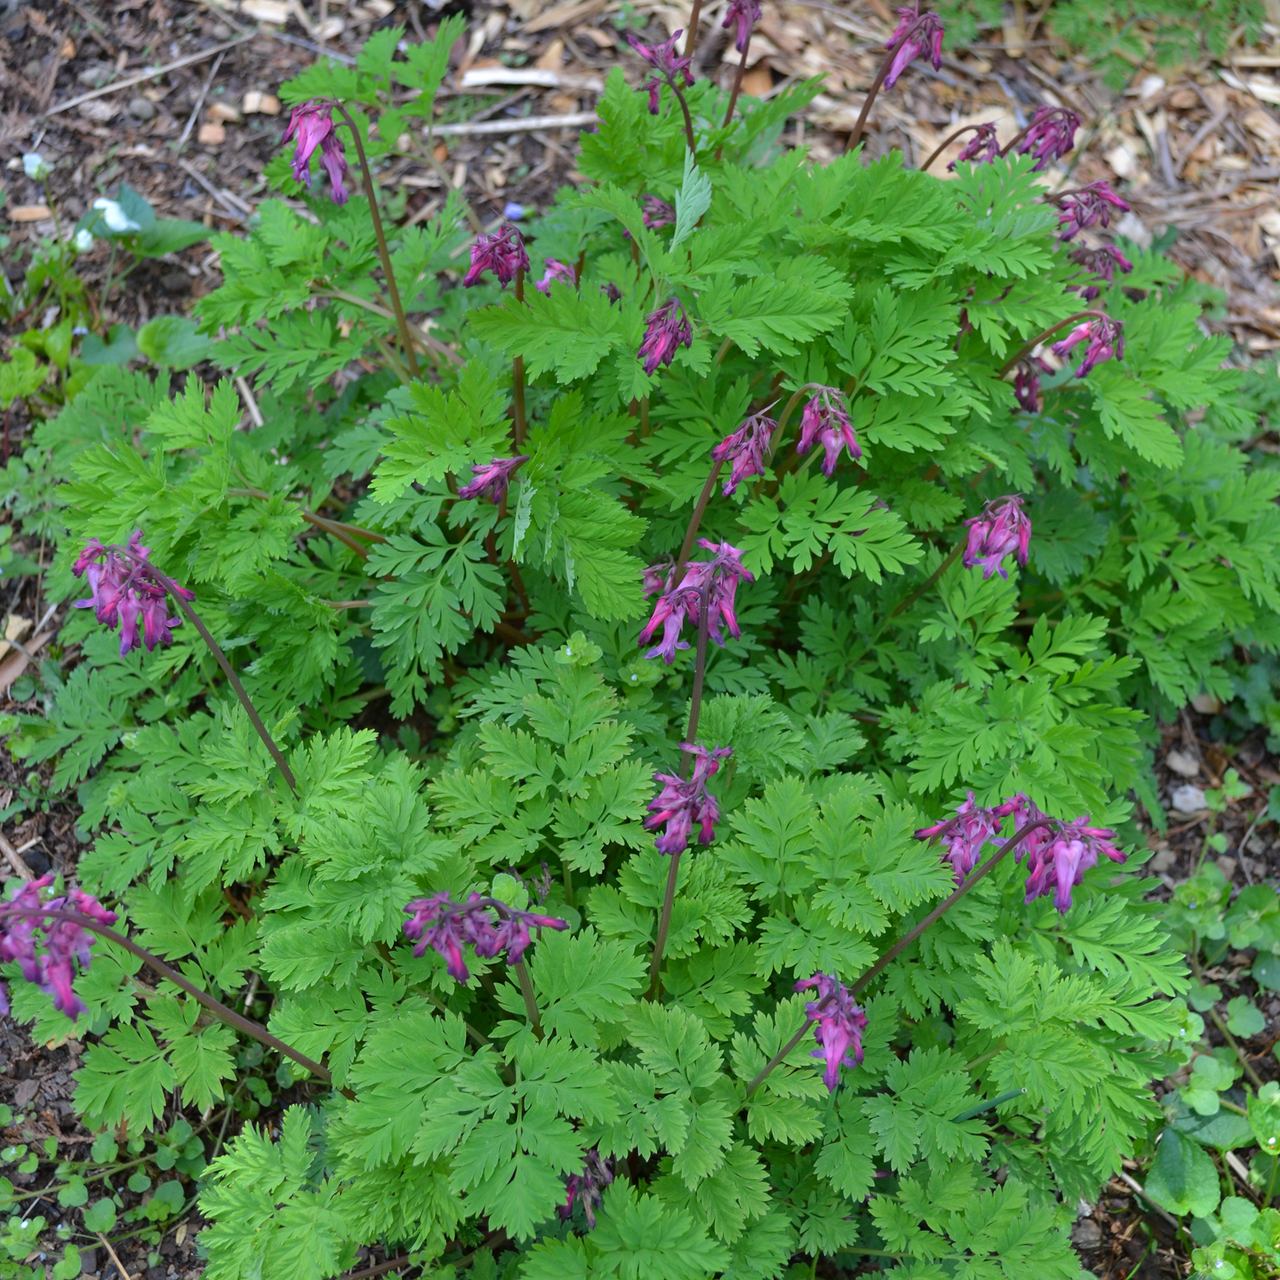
[717, 578]
[492, 478]
[1001, 530]
[587, 1187]
[964, 836]
[1104, 339]
[745, 14]
[982, 148]
[840, 1024]
[554, 270]
[50, 952]
[669, 68]
[745, 449]
[666, 330]
[1086, 207]
[1050, 136]
[312, 125]
[502, 252]
[1056, 863]
[682, 803]
[826, 419]
[917, 33]
[657, 213]
[1103, 262]
[446, 927]
[1026, 383]
[127, 590]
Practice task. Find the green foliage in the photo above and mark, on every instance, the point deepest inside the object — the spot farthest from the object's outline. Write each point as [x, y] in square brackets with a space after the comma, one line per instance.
[457, 688]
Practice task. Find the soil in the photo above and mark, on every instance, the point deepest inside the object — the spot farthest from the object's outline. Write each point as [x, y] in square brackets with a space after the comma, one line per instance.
[1196, 153]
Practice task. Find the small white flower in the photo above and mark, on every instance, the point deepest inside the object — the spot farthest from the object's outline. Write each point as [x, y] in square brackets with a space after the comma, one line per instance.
[33, 166]
[83, 240]
[115, 217]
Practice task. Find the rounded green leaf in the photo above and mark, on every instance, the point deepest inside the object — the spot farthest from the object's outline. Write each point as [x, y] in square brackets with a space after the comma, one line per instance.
[1182, 1178]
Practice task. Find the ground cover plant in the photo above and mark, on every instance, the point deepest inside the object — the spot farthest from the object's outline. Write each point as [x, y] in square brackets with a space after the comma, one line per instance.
[716, 625]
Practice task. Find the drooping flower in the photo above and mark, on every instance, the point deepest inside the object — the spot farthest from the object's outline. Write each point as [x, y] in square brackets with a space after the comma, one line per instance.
[826, 419]
[50, 952]
[656, 578]
[1056, 863]
[503, 253]
[492, 478]
[35, 166]
[83, 241]
[745, 13]
[312, 125]
[611, 291]
[657, 213]
[125, 589]
[447, 926]
[1105, 338]
[588, 1186]
[840, 1024]
[1086, 207]
[666, 329]
[745, 449]
[1001, 530]
[964, 836]
[1051, 135]
[1104, 262]
[114, 216]
[682, 803]
[916, 33]
[555, 271]
[717, 578]
[1026, 383]
[982, 148]
[669, 67]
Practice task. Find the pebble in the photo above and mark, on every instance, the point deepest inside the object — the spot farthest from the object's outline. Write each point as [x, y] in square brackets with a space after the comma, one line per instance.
[1086, 1234]
[1187, 799]
[1161, 861]
[95, 75]
[1183, 764]
[142, 109]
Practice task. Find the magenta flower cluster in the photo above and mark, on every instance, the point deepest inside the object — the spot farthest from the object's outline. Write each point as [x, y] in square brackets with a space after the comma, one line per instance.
[916, 33]
[1086, 207]
[744, 14]
[1103, 339]
[1051, 134]
[657, 213]
[1001, 530]
[1104, 263]
[669, 68]
[25, 928]
[553, 270]
[982, 148]
[1026, 383]
[839, 1025]
[126, 589]
[312, 125]
[826, 421]
[745, 450]
[492, 478]
[715, 579]
[502, 252]
[487, 924]
[588, 1186]
[684, 803]
[666, 329]
[1057, 853]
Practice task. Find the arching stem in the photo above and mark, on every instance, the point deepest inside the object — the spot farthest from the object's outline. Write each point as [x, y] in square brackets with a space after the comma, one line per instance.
[856, 136]
[393, 290]
[946, 142]
[737, 81]
[221, 1011]
[520, 425]
[905, 941]
[530, 1000]
[1029, 347]
[695, 520]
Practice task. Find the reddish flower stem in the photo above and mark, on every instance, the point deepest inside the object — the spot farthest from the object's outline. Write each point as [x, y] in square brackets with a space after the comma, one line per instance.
[695, 520]
[946, 142]
[216, 1007]
[905, 941]
[856, 136]
[737, 83]
[393, 290]
[530, 1000]
[520, 425]
[1048, 333]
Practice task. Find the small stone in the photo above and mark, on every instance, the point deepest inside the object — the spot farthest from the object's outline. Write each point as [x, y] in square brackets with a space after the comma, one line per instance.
[1187, 799]
[99, 111]
[142, 109]
[212, 134]
[225, 112]
[1206, 704]
[1227, 866]
[1086, 1234]
[1161, 861]
[257, 103]
[24, 1092]
[1182, 763]
[175, 282]
[95, 75]
[221, 31]
[33, 69]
